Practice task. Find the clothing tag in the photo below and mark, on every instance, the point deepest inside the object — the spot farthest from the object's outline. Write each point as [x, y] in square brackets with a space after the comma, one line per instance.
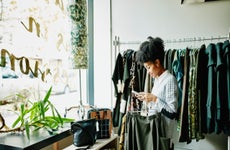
[97, 126]
[144, 109]
[120, 86]
[123, 106]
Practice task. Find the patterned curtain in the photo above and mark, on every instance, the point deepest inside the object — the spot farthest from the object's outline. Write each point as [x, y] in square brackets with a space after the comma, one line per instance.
[78, 17]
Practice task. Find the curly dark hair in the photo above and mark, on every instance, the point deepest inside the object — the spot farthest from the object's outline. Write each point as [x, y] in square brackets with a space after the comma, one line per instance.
[151, 50]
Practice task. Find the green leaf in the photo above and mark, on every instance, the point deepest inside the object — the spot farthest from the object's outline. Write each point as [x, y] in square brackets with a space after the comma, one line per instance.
[16, 121]
[22, 110]
[52, 123]
[47, 95]
[42, 110]
[27, 127]
[67, 120]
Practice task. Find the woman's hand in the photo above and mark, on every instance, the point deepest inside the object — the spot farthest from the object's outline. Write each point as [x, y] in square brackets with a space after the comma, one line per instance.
[148, 97]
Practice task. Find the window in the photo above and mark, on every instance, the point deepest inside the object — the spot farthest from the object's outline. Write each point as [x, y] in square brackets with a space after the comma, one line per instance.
[36, 54]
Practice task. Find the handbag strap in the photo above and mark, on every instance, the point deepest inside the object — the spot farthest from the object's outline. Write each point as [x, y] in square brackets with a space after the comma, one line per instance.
[86, 131]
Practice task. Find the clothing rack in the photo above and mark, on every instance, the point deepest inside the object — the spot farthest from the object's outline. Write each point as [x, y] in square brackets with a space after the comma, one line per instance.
[117, 44]
[117, 41]
[198, 39]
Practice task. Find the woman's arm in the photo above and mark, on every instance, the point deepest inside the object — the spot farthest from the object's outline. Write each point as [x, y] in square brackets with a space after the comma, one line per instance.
[168, 106]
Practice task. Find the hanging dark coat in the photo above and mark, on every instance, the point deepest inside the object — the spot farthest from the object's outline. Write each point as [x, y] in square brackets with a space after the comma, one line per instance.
[184, 131]
[211, 91]
[117, 82]
[127, 59]
[226, 121]
[226, 48]
[202, 81]
[221, 86]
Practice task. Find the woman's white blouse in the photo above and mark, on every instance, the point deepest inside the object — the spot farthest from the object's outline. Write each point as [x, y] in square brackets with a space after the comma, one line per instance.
[165, 88]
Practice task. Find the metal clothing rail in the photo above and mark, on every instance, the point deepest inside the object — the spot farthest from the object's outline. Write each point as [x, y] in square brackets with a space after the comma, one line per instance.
[117, 41]
[198, 39]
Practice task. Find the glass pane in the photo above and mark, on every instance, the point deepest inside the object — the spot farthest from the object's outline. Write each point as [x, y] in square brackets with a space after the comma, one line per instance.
[36, 55]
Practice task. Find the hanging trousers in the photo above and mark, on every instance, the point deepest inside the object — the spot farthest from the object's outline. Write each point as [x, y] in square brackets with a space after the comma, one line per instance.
[145, 133]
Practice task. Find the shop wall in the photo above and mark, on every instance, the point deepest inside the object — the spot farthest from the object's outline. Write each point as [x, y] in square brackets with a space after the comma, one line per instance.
[134, 20]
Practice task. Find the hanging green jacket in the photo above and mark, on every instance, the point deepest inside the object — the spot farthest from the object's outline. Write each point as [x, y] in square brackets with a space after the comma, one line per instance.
[211, 93]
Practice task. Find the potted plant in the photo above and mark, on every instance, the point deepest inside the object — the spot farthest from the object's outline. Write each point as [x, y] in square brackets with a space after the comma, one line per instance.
[40, 114]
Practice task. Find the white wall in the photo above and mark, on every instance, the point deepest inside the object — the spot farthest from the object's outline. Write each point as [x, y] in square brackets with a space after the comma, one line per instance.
[135, 20]
[102, 63]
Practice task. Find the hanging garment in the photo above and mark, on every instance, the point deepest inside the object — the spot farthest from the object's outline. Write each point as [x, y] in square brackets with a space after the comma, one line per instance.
[226, 47]
[127, 62]
[184, 130]
[201, 90]
[127, 57]
[137, 83]
[211, 93]
[221, 93]
[133, 102]
[171, 54]
[226, 121]
[122, 134]
[166, 59]
[133, 79]
[136, 77]
[192, 94]
[145, 133]
[141, 77]
[118, 88]
[177, 66]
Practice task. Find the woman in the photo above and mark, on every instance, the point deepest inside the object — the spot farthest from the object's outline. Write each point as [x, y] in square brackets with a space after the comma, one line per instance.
[164, 95]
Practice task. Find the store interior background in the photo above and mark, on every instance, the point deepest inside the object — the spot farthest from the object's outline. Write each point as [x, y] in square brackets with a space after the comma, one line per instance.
[133, 21]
